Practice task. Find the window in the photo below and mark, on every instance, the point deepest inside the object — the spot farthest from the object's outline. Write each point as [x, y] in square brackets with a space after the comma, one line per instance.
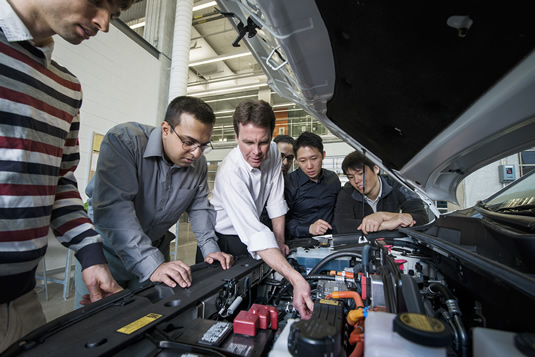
[526, 161]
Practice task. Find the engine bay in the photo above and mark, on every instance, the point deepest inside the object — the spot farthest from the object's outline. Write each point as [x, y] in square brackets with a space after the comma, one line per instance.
[403, 293]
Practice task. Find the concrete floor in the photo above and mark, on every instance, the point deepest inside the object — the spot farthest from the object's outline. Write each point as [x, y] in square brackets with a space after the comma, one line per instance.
[56, 306]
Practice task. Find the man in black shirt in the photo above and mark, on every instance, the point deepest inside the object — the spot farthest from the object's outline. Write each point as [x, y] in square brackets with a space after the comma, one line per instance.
[310, 191]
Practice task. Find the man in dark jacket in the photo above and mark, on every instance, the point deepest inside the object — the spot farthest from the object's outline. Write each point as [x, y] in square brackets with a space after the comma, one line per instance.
[387, 204]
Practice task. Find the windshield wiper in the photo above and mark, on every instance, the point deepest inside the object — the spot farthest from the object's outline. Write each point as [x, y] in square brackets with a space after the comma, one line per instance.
[521, 209]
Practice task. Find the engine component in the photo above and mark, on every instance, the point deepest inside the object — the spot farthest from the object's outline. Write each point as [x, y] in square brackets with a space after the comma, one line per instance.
[382, 339]
[322, 334]
[487, 342]
[218, 336]
[309, 258]
[326, 287]
[258, 317]
[422, 329]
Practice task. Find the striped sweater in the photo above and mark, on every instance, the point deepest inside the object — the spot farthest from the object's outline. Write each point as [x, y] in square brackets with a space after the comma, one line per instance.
[39, 123]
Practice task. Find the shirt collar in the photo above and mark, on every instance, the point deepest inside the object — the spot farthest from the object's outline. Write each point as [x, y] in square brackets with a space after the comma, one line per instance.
[264, 163]
[303, 178]
[15, 30]
[372, 202]
[155, 147]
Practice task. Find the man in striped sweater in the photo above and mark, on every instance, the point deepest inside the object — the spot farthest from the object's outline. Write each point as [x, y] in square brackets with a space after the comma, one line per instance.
[39, 123]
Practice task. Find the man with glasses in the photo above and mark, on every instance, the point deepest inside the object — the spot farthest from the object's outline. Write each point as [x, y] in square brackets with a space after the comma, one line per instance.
[286, 144]
[146, 177]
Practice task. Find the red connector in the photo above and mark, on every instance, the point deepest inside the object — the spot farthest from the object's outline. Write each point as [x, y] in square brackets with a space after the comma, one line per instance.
[258, 316]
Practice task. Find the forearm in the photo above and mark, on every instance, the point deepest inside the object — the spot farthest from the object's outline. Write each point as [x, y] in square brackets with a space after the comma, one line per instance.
[386, 216]
[275, 259]
[278, 229]
[294, 229]
[208, 246]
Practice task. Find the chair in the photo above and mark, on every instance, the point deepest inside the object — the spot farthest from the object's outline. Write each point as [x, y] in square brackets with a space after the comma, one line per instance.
[67, 279]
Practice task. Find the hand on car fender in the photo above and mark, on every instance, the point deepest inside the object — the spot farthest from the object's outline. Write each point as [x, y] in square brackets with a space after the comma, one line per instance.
[371, 223]
[172, 273]
[225, 259]
[398, 221]
[99, 282]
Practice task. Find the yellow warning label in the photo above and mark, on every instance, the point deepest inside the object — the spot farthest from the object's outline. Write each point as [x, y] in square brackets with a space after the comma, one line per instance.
[422, 322]
[329, 302]
[136, 325]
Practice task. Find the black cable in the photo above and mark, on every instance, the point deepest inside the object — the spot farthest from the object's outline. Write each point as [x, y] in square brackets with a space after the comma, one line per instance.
[327, 259]
[363, 187]
[439, 288]
[319, 277]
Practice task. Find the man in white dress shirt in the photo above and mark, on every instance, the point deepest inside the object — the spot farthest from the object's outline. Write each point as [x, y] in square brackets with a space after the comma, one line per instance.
[248, 180]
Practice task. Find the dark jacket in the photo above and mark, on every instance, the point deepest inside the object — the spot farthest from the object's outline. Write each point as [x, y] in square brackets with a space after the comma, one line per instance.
[394, 197]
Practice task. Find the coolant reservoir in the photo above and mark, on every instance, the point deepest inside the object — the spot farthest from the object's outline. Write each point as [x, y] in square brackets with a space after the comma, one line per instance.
[420, 331]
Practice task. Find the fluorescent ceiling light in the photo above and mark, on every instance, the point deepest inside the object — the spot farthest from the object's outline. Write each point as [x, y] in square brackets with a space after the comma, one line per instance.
[219, 58]
[204, 6]
[231, 98]
[224, 112]
[230, 89]
[284, 105]
[135, 26]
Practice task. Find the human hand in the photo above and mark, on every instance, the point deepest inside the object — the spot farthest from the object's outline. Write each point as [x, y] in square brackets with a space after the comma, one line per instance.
[225, 259]
[399, 220]
[172, 273]
[285, 250]
[371, 223]
[405, 220]
[99, 282]
[319, 227]
[301, 299]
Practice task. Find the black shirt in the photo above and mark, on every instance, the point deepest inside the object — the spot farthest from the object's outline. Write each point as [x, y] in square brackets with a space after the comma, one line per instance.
[309, 201]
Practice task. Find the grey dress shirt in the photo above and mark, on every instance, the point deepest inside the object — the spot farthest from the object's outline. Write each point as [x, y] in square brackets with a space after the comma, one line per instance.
[136, 195]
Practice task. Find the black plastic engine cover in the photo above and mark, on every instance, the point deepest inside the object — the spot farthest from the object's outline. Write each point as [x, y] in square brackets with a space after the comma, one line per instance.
[322, 334]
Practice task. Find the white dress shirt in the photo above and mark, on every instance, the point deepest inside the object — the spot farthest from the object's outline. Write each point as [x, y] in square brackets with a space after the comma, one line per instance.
[240, 194]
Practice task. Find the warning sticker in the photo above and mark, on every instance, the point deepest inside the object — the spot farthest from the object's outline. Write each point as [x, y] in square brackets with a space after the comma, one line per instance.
[136, 325]
[329, 302]
[216, 333]
[422, 322]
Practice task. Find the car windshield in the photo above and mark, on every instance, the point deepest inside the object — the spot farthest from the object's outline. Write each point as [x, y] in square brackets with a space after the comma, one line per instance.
[518, 198]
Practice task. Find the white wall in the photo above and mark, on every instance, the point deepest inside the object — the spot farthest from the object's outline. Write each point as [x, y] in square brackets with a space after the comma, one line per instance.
[120, 82]
[484, 182]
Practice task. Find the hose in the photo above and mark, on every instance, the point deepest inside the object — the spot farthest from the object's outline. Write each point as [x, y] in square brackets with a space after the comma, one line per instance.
[331, 257]
[347, 295]
[366, 258]
[455, 312]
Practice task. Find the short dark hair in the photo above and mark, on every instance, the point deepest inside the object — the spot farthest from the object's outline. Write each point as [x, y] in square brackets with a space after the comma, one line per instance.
[191, 105]
[356, 161]
[257, 112]
[123, 4]
[308, 139]
[284, 139]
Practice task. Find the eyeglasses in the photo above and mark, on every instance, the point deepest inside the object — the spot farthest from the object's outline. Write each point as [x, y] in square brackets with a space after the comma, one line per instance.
[287, 157]
[191, 146]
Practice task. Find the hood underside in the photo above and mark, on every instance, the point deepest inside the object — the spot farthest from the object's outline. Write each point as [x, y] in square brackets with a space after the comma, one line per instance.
[431, 91]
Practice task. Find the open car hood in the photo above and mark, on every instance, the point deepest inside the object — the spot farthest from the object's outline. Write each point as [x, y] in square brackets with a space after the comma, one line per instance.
[431, 92]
